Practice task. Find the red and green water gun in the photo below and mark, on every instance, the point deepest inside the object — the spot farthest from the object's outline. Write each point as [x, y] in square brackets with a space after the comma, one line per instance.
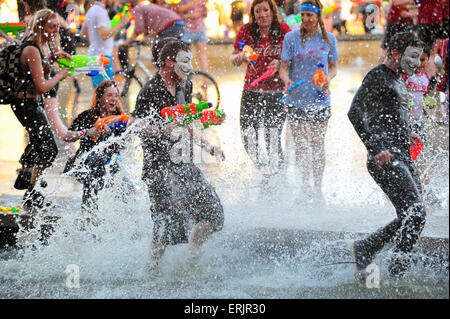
[185, 114]
[13, 27]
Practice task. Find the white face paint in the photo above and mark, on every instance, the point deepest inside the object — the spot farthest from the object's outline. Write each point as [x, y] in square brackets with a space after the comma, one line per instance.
[410, 60]
[183, 65]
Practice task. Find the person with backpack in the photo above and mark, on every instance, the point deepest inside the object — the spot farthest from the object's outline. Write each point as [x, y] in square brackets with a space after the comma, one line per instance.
[28, 71]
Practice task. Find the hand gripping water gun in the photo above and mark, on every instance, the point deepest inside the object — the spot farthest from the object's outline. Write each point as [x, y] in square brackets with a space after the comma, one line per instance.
[113, 121]
[184, 114]
[415, 150]
[9, 209]
[319, 78]
[428, 100]
[248, 51]
[83, 64]
[125, 10]
[292, 89]
[264, 76]
[13, 27]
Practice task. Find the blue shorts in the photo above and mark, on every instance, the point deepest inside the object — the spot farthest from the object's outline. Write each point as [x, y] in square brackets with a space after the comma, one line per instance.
[176, 30]
[194, 38]
[99, 78]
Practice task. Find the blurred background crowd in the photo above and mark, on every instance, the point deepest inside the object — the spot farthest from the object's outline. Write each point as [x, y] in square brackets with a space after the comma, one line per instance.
[226, 16]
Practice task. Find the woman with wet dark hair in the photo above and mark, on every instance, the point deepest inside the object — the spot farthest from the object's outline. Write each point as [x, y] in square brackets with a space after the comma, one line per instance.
[260, 102]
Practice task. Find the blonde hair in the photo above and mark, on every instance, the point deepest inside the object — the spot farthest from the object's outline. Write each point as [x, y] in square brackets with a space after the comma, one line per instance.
[318, 4]
[40, 19]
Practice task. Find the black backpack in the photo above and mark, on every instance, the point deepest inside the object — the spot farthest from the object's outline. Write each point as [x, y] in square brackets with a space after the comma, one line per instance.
[10, 84]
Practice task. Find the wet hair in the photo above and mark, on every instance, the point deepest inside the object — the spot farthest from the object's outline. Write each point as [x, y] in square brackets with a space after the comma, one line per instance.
[400, 41]
[94, 109]
[170, 51]
[275, 28]
[157, 48]
[40, 19]
[318, 4]
[427, 50]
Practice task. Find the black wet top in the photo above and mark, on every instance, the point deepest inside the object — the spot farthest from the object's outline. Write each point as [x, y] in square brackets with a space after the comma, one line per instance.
[86, 120]
[152, 98]
[379, 113]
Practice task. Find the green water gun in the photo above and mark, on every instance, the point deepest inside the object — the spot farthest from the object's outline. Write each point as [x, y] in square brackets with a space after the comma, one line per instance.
[125, 10]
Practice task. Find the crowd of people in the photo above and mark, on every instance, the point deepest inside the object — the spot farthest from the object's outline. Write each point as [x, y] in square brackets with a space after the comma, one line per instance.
[280, 85]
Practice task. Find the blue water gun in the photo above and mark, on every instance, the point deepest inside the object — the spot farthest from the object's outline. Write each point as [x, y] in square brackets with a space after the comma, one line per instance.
[292, 89]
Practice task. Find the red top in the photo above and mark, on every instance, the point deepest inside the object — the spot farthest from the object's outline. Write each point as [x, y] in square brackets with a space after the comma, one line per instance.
[394, 16]
[443, 54]
[267, 52]
[431, 11]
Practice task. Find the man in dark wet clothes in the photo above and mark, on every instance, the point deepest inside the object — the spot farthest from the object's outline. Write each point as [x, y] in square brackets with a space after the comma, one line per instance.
[379, 114]
[178, 190]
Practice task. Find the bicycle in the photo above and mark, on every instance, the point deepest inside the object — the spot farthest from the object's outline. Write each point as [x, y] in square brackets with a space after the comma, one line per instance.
[205, 87]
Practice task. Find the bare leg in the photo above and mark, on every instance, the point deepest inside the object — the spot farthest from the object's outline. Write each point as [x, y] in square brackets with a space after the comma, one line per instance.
[200, 234]
[300, 133]
[54, 119]
[37, 172]
[318, 152]
[156, 252]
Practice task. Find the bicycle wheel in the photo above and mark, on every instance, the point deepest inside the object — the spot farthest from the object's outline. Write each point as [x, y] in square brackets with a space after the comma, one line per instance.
[205, 88]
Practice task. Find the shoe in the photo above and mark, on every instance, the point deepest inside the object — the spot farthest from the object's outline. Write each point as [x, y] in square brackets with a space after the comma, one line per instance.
[360, 261]
[34, 199]
[23, 180]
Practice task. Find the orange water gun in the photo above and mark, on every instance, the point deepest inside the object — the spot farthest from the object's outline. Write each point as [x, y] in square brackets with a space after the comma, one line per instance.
[248, 51]
[319, 79]
[113, 121]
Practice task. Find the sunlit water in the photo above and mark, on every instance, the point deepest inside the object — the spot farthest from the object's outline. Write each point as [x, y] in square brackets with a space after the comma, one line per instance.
[260, 252]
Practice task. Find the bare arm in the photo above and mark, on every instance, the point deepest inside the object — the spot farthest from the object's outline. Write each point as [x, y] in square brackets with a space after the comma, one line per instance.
[106, 33]
[284, 74]
[203, 143]
[332, 71]
[31, 57]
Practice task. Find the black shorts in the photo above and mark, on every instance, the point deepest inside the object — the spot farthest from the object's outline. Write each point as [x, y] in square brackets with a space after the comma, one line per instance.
[309, 116]
[180, 194]
[392, 29]
[42, 148]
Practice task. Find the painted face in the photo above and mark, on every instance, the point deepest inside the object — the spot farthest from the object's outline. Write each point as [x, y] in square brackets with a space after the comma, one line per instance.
[263, 15]
[410, 60]
[109, 100]
[51, 28]
[183, 65]
[310, 20]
